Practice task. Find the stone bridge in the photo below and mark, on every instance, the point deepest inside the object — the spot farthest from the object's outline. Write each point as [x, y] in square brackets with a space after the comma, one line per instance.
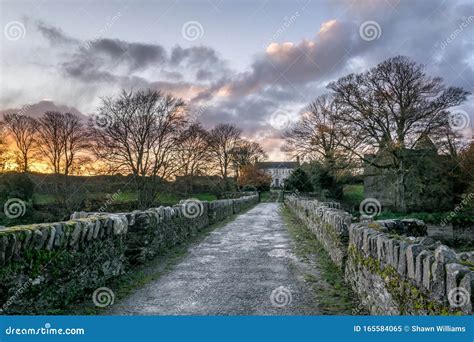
[247, 266]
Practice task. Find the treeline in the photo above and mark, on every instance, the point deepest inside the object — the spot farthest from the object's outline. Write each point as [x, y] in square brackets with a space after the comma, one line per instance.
[374, 118]
[145, 133]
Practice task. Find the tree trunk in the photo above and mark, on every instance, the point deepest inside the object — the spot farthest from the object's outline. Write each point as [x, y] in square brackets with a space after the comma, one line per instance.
[25, 164]
[147, 187]
[400, 196]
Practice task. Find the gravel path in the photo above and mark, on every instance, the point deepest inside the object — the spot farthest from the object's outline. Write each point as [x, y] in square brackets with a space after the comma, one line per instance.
[246, 267]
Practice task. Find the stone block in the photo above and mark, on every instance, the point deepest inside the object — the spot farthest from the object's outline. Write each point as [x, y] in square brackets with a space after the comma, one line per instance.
[412, 252]
[38, 239]
[419, 266]
[96, 225]
[59, 236]
[75, 235]
[10, 246]
[27, 235]
[393, 248]
[402, 259]
[414, 227]
[427, 267]
[3, 247]
[458, 287]
[52, 235]
[442, 256]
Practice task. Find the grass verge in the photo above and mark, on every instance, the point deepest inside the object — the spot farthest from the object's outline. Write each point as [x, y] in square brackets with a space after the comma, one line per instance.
[334, 296]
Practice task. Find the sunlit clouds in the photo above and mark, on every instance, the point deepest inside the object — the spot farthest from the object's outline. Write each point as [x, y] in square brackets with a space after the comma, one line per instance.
[277, 57]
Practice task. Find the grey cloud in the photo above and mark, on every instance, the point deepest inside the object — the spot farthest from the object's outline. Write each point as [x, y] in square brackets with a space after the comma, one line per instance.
[36, 110]
[412, 28]
[174, 75]
[202, 75]
[288, 74]
[139, 56]
[249, 113]
[54, 35]
[196, 55]
[103, 55]
[86, 70]
[296, 64]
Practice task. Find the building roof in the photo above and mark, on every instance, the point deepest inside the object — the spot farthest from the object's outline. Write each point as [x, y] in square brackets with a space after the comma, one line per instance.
[277, 165]
[425, 143]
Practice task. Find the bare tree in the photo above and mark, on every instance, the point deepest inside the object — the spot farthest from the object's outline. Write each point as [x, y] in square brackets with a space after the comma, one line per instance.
[51, 138]
[138, 135]
[75, 140]
[23, 130]
[449, 142]
[61, 136]
[224, 140]
[245, 153]
[3, 149]
[317, 135]
[390, 107]
[193, 151]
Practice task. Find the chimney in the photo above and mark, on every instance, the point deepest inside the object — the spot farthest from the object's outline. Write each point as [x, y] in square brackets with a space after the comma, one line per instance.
[298, 160]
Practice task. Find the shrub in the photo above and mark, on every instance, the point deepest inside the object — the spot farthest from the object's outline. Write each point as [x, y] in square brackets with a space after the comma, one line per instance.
[16, 185]
[299, 180]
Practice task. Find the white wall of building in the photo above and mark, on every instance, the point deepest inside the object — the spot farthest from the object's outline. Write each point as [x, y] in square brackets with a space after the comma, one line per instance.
[279, 175]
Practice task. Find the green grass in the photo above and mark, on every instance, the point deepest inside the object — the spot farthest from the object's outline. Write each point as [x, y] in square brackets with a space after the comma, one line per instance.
[205, 197]
[460, 218]
[129, 196]
[268, 196]
[43, 199]
[123, 197]
[332, 293]
[353, 194]
[171, 199]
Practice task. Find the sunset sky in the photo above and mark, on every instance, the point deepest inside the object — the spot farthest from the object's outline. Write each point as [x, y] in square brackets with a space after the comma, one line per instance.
[252, 63]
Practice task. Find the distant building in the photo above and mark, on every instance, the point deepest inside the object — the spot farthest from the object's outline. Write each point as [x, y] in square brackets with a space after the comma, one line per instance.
[279, 171]
[428, 187]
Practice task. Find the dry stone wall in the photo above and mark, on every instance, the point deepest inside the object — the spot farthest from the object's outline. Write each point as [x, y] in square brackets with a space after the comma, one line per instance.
[329, 223]
[47, 267]
[392, 273]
